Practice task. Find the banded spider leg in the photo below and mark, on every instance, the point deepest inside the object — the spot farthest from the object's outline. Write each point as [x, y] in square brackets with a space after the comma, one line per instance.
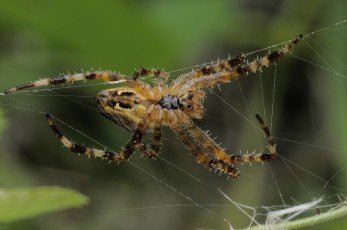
[201, 81]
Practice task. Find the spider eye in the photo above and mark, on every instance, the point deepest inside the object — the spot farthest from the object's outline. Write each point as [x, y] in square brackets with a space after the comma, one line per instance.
[189, 106]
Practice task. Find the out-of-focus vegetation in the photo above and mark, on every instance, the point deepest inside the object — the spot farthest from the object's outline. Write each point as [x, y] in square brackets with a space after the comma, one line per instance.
[18, 204]
[47, 38]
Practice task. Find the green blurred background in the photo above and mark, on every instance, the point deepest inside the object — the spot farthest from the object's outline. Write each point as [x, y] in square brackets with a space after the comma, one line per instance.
[47, 38]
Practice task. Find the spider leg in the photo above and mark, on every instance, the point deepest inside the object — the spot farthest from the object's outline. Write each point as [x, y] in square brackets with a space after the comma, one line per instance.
[200, 156]
[124, 154]
[225, 76]
[106, 76]
[161, 75]
[207, 143]
[272, 147]
[208, 70]
[156, 140]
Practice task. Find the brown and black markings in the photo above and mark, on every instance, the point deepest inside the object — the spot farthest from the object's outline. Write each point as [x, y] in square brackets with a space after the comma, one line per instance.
[143, 109]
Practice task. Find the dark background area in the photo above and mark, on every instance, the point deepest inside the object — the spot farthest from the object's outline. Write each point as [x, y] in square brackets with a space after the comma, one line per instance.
[40, 39]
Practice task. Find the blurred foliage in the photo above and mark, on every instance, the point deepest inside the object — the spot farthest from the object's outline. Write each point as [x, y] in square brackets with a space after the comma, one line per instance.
[18, 204]
[2, 121]
[47, 38]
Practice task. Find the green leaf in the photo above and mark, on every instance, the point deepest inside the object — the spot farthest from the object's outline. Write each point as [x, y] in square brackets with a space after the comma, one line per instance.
[18, 204]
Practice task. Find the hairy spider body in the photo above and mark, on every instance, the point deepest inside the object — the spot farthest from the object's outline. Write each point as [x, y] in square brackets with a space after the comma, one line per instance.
[143, 109]
[122, 105]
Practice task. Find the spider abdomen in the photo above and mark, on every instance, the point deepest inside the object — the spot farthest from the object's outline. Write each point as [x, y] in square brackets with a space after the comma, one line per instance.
[122, 105]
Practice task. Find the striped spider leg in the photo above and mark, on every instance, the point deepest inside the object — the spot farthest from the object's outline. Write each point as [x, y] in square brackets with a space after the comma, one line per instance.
[153, 151]
[201, 81]
[161, 76]
[106, 76]
[143, 109]
[213, 148]
[189, 134]
[124, 154]
[207, 70]
[200, 156]
[123, 98]
[110, 155]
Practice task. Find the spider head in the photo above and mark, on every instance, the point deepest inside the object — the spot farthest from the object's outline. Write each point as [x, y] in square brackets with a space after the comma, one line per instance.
[121, 105]
[191, 103]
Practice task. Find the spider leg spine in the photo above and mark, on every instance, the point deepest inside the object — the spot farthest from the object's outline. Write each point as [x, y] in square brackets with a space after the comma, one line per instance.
[225, 76]
[212, 147]
[144, 124]
[156, 141]
[176, 85]
[204, 71]
[88, 151]
[259, 157]
[200, 156]
[162, 76]
[106, 76]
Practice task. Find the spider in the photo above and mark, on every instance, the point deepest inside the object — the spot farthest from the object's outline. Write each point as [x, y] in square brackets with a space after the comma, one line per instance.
[143, 109]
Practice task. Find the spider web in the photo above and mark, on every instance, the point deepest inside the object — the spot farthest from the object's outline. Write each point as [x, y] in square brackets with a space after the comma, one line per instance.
[173, 191]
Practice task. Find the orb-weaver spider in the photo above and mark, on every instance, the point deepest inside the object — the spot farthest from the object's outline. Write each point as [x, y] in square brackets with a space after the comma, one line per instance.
[143, 109]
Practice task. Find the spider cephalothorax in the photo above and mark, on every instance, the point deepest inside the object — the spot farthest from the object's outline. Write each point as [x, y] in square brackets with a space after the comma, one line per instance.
[191, 103]
[143, 109]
